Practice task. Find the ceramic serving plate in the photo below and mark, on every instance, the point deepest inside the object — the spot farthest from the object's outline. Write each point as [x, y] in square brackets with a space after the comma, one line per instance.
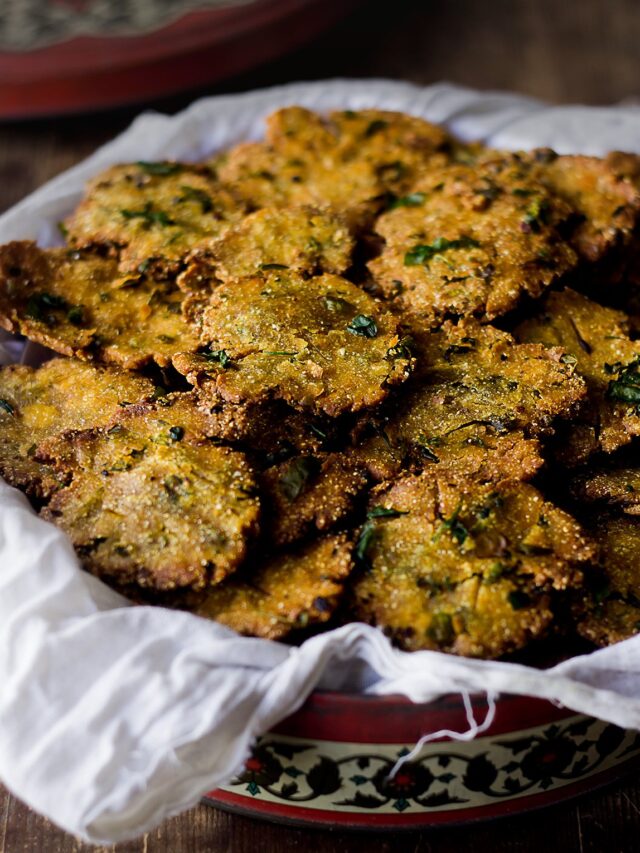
[330, 763]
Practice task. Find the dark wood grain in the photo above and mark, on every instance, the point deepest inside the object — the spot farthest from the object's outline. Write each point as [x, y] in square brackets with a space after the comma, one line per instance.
[569, 51]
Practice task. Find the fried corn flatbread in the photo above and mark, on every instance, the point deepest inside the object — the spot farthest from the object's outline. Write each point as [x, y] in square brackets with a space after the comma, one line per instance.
[60, 395]
[271, 431]
[329, 294]
[349, 162]
[307, 493]
[476, 404]
[151, 214]
[150, 502]
[301, 240]
[469, 571]
[322, 344]
[471, 241]
[608, 203]
[473, 453]
[78, 304]
[289, 591]
[603, 192]
[608, 360]
[611, 612]
[616, 487]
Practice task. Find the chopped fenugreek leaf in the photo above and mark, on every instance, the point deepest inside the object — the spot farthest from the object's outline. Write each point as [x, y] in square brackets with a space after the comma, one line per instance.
[626, 388]
[424, 252]
[161, 168]
[411, 200]
[294, 479]
[364, 326]
[219, 356]
[149, 215]
[199, 196]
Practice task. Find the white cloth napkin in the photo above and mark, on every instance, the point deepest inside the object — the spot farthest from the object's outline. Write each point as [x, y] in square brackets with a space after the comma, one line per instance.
[114, 717]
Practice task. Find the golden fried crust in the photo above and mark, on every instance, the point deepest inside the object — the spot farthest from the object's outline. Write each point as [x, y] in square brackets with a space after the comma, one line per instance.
[597, 338]
[603, 192]
[612, 612]
[399, 146]
[271, 430]
[475, 403]
[309, 492]
[297, 239]
[78, 304]
[607, 201]
[619, 487]
[321, 345]
[525, 385]
[468, 571]
[153, 213]
[471, 241]
[291, 590]
[60, 395]
[150, 502]
[349, 162]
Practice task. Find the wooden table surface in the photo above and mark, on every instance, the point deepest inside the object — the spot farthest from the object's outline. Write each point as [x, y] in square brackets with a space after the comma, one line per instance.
[573, 51]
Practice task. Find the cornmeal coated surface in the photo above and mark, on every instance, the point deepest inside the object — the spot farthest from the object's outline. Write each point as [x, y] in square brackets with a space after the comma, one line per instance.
[150, 502]
[301, 240]
[271, 430]
[612, 612]
[60, 395]
[474, 453]
[79, 305]
[476, 402]
[468, 571]
[617, 487]
[151, 214]
[349, 162]
[322, 345]
[602, 192]
[472, 241]
[291, 590]
[607, 359]
[608, 202]
[306, 494]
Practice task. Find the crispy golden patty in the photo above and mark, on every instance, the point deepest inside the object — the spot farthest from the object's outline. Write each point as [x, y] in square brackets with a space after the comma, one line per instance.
[471, 241]
[469, 571]
[310, 493]
[477, 402]
[603, 192]
[301, 240]
[60, 395]
[611, 612]
[152, 213]
[291, 590]
[80, 305]
[349, 162]
[320, 344]
[618, 487]
[608, 360]
[608, 203]
[326, 414]
[151, 502]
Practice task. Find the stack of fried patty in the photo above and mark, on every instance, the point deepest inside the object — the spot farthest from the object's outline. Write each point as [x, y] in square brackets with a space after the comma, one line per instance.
[356, 371]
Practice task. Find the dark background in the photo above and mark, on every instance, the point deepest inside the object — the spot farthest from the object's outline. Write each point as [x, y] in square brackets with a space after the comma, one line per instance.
[587, 51]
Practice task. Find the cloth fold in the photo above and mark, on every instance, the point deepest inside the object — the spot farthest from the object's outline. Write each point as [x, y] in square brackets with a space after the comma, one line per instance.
[114, 717]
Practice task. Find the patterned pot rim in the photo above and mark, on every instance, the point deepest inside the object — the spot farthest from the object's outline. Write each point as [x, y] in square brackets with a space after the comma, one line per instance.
[184, 44]
[346, 760]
